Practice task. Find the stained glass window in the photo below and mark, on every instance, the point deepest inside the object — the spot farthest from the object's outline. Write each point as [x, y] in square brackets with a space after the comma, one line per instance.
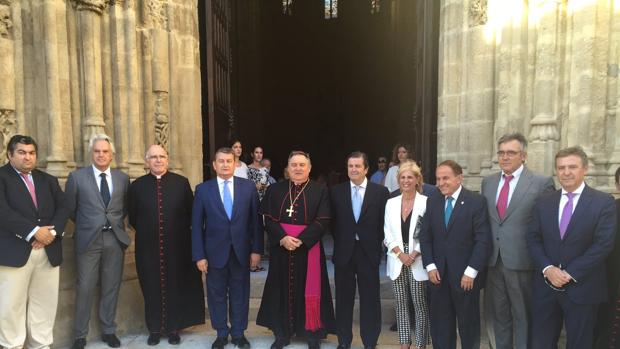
[331, 9]
[287, 7]
[376, 6]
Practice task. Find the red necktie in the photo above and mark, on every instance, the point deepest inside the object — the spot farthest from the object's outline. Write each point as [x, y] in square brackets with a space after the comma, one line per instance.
[30, 186]
[502, 200]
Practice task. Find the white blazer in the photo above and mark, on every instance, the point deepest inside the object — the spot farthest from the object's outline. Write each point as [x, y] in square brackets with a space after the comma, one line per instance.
[394, 237]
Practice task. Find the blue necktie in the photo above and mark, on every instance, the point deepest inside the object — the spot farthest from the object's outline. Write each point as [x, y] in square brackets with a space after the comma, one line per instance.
[105, 190]
[228, 202]
[357, 202]
[448, 211]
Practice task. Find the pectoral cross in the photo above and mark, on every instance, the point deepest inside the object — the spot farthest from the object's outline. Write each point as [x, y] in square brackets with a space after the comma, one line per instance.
[290, 211]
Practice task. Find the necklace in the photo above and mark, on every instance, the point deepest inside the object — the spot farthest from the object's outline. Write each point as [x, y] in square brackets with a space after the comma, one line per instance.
[290, 210]
[406, 206]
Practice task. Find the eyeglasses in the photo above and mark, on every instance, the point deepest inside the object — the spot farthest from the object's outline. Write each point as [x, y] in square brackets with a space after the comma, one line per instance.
[382, 161]
[509, 153]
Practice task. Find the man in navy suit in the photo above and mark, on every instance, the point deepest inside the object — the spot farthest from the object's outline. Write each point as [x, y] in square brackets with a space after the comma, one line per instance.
[456, 243]
[33, 221]
[226, 241]
[570, 235]
[358, 207]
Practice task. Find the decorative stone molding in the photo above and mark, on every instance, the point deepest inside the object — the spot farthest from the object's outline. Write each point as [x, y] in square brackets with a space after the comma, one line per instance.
[8, 127]
[162, 121]
[477, 12]
[158, 13]
[5, 21]
[544, 130]
[97, 6]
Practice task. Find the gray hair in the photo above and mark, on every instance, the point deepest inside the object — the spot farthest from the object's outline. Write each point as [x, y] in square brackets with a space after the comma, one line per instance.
[100, 137]
[515, 136]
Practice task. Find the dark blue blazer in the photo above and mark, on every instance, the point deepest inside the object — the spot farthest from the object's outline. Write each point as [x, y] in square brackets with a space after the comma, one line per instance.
[213, 233]
[588, 240]
[369, 228]
[20, 216]
[465, 242]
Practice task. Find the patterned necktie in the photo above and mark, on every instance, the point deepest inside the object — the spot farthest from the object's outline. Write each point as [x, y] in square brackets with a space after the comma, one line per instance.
[31, 190]
[105, 190]
[567, 212]
[448, 211]
[357, 202]
[502, 200]
[227, 200]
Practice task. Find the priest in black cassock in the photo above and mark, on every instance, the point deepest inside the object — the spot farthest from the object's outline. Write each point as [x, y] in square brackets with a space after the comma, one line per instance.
[160, 210]
[297, 298]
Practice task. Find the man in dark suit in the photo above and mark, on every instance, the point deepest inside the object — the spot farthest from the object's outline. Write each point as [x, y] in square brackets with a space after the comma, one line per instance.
[510, 196]
[358, 208]
[227, 240]
[97, 201]
[456, 242]
[33, 221]
[571, 234]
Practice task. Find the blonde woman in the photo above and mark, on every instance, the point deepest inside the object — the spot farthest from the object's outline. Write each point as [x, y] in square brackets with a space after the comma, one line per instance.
[403, 218]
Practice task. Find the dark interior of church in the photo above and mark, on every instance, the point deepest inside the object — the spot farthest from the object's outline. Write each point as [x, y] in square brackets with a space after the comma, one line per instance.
[327, 77]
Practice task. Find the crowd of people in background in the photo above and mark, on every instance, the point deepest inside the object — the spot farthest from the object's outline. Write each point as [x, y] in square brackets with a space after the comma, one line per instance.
[547, 259]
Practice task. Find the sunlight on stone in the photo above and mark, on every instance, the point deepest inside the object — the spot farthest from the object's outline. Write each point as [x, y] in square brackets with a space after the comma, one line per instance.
[501, 14]
[577, 5]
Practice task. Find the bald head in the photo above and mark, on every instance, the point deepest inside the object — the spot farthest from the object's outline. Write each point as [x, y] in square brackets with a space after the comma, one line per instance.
[157, 160]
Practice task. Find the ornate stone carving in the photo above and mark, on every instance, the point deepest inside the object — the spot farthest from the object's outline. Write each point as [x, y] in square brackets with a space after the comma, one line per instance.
[162, 135]
[158, 13]
[5, 22]
[96, 6]
[8, 127]
[477, 12]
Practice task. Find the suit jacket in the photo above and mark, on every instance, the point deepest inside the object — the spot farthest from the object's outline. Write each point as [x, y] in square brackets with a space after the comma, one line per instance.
[394, 236]
[465, 242]
[509, 233]
[213, 233]
[88, 210]
[369, 227]
[588, 240]
[20, 216]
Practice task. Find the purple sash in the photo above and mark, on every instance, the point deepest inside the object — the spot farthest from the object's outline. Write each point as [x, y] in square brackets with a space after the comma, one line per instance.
[313, 280]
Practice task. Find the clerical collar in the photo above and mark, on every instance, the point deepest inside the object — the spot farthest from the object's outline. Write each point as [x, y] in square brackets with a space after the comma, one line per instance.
[300, 184]
[158, 176]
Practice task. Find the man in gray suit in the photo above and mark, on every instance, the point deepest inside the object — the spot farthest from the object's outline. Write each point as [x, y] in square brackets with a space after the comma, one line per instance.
[510, 196]
[97, 197]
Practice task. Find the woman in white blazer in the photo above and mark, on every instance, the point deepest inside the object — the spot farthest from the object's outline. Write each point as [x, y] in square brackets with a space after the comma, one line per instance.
[403, 218]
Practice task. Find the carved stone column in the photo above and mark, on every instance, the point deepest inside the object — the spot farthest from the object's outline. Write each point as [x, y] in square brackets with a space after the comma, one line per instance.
[8, 123]
[132, 96]
[56, 160]
[89, 50]
[544, 132]
[158, 15]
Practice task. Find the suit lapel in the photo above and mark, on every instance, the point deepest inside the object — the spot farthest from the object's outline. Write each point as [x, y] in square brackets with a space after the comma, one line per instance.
[215, 193]
[19, 182]
[522, 186]
[582, 204]
[91, 178]
[348, 201]
[492, 188]
[116, 186]
[367, 199]
[237, 191]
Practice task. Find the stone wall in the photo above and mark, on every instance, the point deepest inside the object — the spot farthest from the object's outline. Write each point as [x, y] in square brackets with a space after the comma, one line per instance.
[127, 68]
[546, 68]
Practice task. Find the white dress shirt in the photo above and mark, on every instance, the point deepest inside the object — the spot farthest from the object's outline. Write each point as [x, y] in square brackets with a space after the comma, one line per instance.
[511, 185]
[231, 187]
[108, 178]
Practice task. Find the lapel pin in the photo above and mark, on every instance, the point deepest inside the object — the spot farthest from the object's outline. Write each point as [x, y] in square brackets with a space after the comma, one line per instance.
[462, 202]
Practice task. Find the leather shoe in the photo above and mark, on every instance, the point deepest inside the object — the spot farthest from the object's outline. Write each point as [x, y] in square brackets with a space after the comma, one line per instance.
[153, 338]
[314, 344]
[79, 343]
[343, 346]
[111, 340]
[174, 338]
[241, 342]
[219, 343]
[280, 343]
